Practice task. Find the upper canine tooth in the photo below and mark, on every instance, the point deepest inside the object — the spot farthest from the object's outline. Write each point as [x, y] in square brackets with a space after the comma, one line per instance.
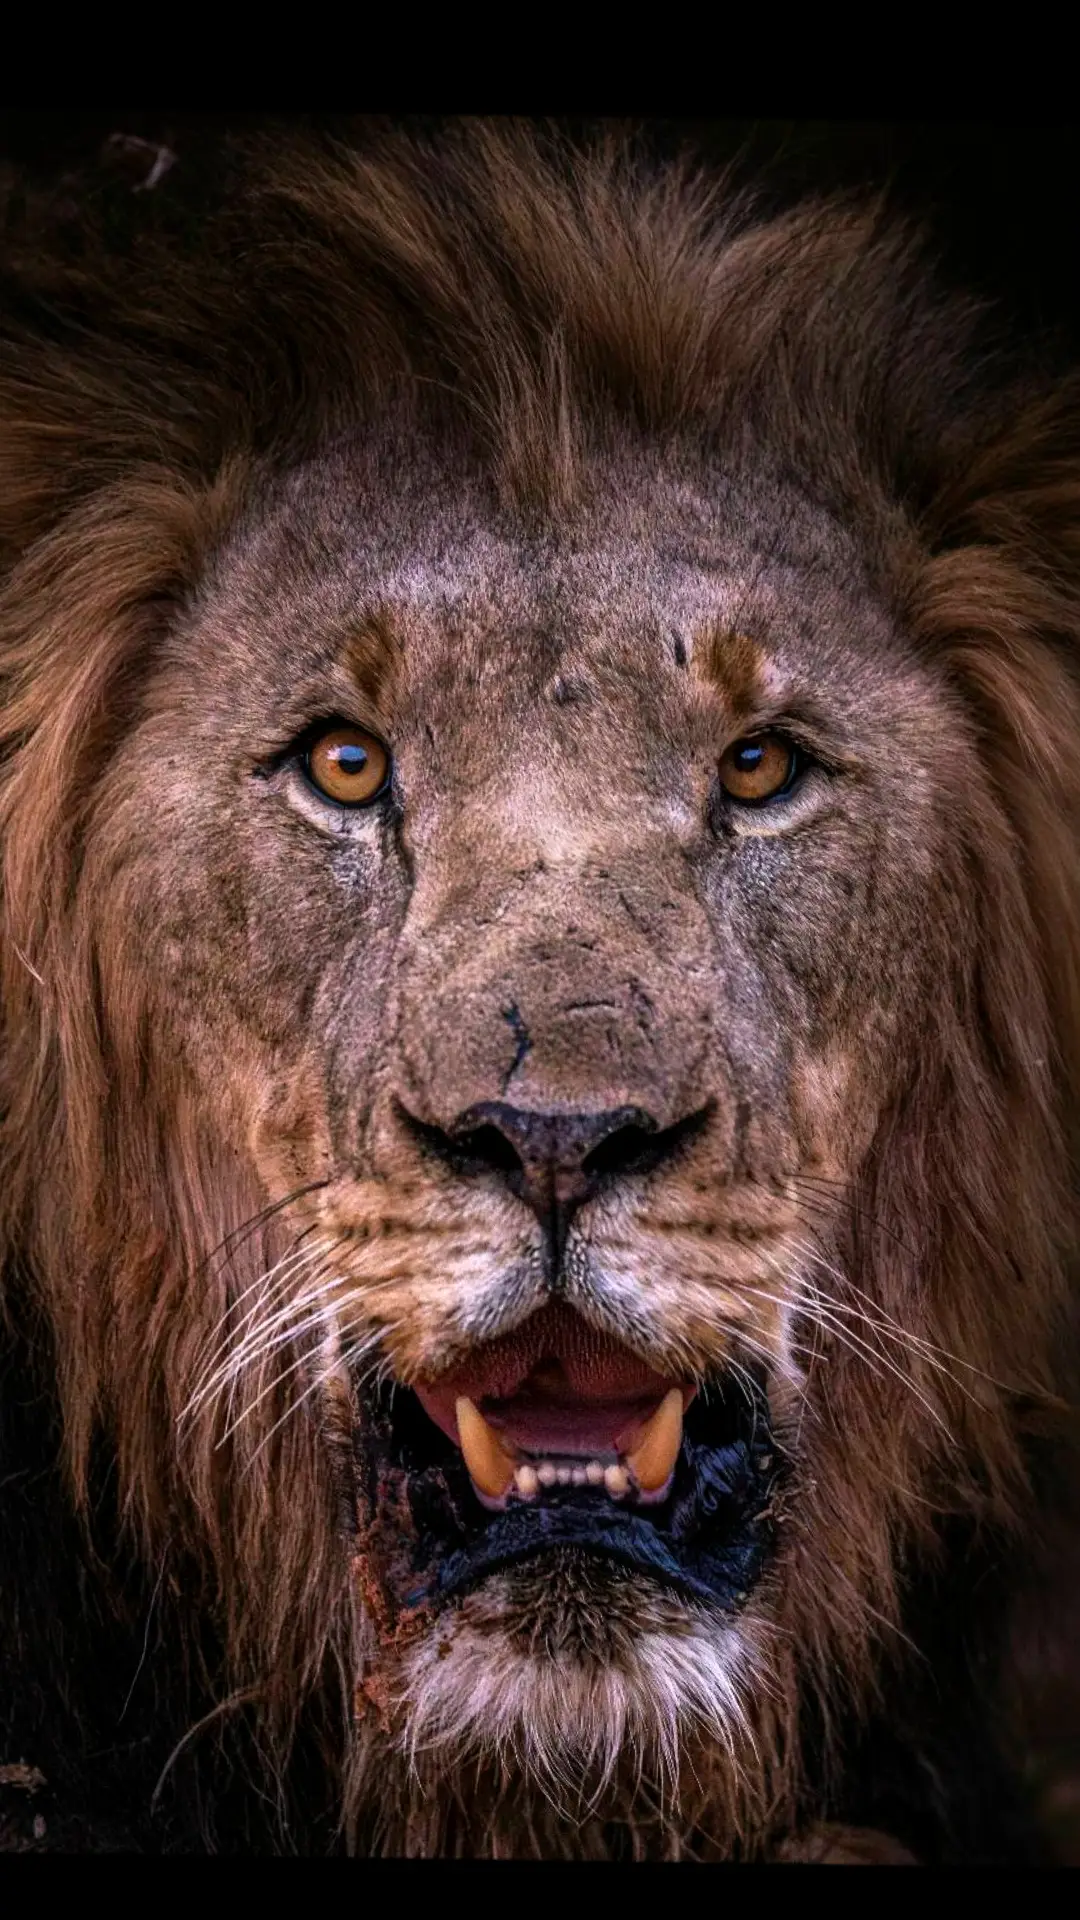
[490, 1465]
[654, 1456]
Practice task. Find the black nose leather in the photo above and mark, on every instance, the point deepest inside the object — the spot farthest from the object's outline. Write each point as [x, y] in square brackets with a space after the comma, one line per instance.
[553, 1161]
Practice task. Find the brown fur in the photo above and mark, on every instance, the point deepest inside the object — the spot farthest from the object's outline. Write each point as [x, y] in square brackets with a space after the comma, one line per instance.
[455, 440]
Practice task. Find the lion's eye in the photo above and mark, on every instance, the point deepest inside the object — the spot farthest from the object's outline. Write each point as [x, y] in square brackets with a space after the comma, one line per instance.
[758, 767]
[348, 765]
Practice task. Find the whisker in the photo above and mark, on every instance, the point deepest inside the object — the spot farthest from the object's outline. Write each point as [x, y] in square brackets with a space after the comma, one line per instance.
[237, 1235]
[267, 1275]
[236, 1361]
[266, 1290]
[277, 1330]
[322, 1319]
[934, 1355]
[238, 1354]
[313, 1387]
[874, 1359]
[931, 1346]
[850, 1206]
[314, 1322]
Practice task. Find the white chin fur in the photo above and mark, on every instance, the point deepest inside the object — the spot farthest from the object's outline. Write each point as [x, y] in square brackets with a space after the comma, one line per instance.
[567, 1722]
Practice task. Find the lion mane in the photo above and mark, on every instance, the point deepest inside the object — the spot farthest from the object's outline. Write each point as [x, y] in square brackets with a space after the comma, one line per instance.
[200, 1643]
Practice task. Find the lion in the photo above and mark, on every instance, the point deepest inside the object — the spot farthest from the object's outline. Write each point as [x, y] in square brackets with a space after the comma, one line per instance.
[539, 810]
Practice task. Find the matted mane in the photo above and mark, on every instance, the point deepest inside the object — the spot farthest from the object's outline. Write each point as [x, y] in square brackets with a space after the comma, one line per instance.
[526, 303]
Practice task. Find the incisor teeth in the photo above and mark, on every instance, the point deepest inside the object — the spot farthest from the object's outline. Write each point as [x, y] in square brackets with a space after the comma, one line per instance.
[491, 1467]
[656, 1452]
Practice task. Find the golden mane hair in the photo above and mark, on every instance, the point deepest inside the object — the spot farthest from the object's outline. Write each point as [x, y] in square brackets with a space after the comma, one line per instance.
[524, 303]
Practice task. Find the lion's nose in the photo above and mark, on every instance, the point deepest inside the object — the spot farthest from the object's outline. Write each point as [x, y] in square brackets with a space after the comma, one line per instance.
[553, 1160]
[556, 1161]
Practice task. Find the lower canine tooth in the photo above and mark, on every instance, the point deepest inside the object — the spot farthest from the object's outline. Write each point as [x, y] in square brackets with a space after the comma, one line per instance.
[655, 1455]
[491, 1467]
[527, 1481]
[617, 1481]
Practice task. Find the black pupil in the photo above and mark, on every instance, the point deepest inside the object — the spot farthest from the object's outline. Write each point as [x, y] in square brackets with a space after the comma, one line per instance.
[748, 757]
[350, 759]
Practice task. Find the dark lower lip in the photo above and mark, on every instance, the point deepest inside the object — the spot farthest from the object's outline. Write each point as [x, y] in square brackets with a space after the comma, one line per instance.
[709, 1540]
[432, 1540]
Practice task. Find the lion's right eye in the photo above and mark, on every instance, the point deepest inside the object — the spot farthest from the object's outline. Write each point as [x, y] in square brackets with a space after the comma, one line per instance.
[348, 765]
[759, 767]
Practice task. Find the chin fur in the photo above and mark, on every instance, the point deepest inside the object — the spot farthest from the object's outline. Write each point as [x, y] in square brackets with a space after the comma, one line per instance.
[587, 1710]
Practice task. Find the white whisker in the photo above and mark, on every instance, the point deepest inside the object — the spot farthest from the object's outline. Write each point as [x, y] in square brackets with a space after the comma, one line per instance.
[817, 1308]
[260, 1337]
[287, 1270]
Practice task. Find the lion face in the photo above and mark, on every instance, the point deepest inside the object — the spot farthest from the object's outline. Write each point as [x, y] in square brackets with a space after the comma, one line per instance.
[539, 983]
[559, 1054]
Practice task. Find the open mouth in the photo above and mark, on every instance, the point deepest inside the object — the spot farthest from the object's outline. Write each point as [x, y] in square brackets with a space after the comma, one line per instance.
[557, 1434]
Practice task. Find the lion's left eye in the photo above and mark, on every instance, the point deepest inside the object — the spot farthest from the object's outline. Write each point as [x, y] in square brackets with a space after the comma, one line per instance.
[348, 765]
[759, 767]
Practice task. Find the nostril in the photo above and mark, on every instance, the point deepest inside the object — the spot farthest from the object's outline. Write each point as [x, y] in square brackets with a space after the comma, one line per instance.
[641, 1146]
[624, 1151]
[488, 1147]
[566, 1149]
[465, 1149]
[536, 1148]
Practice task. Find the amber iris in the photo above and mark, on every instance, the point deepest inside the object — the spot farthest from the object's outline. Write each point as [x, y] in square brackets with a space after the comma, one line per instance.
[757, 767]
[348, 765]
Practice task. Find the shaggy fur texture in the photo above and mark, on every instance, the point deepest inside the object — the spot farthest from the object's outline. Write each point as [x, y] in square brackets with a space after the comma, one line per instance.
[560, 475]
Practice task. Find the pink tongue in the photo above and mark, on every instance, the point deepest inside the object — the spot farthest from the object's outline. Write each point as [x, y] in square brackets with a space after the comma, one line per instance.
[553, 1386]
